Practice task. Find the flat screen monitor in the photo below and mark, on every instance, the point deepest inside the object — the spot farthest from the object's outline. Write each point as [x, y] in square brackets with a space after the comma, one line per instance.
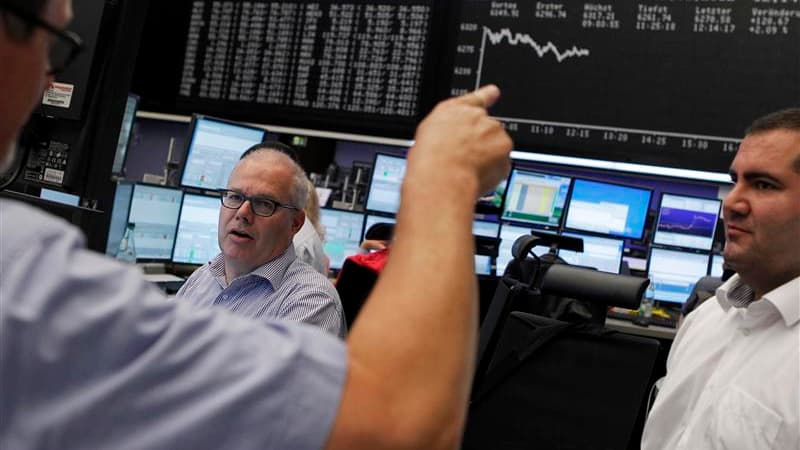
[508, 235]
[215, 146]
[674, 273]
[371, 220]
[154, 210]
[716, 269]
[688, 222]
[601, 253]
[536, 198]
[128, 117]
[606, 208]
[119, 216]
[384, 186]
[342, 234]
[196, 240]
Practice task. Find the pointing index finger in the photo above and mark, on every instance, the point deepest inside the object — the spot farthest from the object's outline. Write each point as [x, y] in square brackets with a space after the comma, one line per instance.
[484, 97]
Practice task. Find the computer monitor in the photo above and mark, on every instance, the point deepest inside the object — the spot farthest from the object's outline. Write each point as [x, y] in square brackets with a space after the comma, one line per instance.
[601, 253]
[215, 145]
[119, 216]
[674, 273]
[606, 208]
[128, 117]
[715, 269]
[688, 222]
[371, 220]
[536, 198]
[485, 228]
[154, 210]
[384, 186]
[196, 241]
[343, 230]
[508, 235]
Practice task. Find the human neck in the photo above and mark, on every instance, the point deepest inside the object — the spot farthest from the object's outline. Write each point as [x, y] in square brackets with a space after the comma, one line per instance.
[762, 283]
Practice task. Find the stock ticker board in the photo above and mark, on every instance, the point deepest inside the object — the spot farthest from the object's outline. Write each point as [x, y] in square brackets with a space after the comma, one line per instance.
[671, 83]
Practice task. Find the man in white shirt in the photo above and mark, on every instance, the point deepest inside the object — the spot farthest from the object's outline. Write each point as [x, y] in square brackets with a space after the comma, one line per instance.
[733, 374]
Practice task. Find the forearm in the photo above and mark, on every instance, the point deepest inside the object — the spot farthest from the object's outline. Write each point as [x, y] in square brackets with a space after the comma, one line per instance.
[428, 287]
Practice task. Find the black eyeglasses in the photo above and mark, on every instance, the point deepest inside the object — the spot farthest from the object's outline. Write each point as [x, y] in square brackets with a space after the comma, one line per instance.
[261, 206]
[64, 48]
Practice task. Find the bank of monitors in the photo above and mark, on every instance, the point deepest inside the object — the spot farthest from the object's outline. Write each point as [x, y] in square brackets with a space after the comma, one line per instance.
[674, 273]
[154, 210]
[343, 230]
[536, 198]
[687, 222]
[196, 239]
[601, 253]
[384, 187]
[609, 209]
[214, 147]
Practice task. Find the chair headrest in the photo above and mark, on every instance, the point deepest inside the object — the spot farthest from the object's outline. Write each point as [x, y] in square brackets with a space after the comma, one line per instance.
[591, 285]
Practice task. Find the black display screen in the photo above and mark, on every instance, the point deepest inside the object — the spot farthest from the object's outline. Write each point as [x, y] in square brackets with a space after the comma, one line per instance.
[669, 83]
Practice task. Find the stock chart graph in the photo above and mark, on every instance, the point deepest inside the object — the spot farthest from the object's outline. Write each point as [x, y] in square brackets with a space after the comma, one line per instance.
[664, 82]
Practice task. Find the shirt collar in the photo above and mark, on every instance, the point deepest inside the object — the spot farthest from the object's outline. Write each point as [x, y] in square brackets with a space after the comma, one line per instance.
[273, 271]
[785, 298]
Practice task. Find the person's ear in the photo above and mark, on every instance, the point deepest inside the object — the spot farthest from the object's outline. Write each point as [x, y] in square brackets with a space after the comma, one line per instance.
[298, 220]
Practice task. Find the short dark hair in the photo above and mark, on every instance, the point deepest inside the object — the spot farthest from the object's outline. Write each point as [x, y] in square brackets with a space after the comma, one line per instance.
[272, 145]
[788, 119]
[785, 119]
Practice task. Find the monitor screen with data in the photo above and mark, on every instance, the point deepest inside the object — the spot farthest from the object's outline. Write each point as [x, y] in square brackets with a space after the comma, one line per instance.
[342, 234]
[674, 273]
[196, 240]
[536, 198]
[687, 222]
[214, 148]
[154, 210]
[603, 254]
[606, 208]
[384, 187]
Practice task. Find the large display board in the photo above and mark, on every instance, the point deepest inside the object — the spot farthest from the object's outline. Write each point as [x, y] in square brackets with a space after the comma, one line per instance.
[670, 83]
[354, 65]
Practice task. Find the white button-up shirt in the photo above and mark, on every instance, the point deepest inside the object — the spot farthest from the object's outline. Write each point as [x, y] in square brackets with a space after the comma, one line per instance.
[733, 376]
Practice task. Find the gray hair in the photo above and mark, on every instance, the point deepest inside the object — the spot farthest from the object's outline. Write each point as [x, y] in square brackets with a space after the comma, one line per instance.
[298, 191]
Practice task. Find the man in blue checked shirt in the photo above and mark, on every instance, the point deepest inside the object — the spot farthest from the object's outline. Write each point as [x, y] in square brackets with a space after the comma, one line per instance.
[94, 357]
[257, 274]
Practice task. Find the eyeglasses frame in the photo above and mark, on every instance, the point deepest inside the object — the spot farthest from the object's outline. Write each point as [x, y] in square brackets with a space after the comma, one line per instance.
[248, 198]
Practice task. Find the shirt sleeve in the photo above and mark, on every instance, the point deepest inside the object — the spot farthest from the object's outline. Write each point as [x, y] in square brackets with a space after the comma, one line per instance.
[92, 356]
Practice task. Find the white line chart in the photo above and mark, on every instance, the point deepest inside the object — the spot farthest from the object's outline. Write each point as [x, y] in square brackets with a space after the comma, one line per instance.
[542, 50]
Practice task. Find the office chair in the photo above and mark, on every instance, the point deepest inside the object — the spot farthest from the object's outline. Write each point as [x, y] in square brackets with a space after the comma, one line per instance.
[547, 383]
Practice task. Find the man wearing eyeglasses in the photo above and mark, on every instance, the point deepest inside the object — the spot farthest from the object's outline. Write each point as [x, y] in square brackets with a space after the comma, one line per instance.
[94, 357]
[257, 274]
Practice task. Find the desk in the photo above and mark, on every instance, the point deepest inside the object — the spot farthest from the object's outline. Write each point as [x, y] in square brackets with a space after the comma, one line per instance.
[653, 331]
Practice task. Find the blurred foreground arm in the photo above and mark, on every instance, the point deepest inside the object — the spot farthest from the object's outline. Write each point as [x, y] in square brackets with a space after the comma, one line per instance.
[411, 352]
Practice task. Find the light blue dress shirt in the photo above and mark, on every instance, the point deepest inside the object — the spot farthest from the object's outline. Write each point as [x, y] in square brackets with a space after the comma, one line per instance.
[284, 288]
[94, 357]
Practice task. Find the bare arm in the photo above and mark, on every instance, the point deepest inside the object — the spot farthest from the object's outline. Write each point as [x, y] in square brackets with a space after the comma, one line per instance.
[411, 352]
